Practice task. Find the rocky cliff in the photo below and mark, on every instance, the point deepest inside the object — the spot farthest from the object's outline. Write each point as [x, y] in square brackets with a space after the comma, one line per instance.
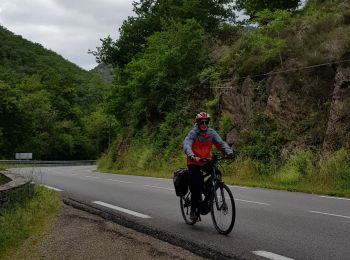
[311, 106]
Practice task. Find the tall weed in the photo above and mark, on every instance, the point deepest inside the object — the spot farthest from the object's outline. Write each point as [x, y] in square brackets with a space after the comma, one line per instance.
[335, 172]
[299, 166]
[22, 219]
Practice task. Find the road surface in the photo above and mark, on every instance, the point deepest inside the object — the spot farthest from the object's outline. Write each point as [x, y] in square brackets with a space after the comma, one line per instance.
[269, 224]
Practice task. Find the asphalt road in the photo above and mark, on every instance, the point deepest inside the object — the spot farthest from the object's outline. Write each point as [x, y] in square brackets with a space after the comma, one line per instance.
[269, 224]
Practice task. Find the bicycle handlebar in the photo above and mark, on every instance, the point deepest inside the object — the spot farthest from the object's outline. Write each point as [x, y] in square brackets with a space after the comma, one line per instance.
[217, 158]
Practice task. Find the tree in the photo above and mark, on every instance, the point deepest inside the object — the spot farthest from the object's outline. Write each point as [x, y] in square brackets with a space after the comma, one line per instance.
[252, 7]
[210, 14]
[161, 78]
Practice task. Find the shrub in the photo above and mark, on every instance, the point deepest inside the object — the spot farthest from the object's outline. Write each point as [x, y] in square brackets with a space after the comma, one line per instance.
[263, 142]
[298, 166]
[335, 171]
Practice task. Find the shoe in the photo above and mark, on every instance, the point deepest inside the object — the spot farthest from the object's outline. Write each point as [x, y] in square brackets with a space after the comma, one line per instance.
[193, 216]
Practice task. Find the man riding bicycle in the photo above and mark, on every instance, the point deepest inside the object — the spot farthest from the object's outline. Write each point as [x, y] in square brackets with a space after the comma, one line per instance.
[197, 145]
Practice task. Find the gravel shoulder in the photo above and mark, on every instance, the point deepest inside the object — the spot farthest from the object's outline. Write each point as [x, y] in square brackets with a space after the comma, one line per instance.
[76, 234]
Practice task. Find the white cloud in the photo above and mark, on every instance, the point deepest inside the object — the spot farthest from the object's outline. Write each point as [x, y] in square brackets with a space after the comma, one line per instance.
[68, 27]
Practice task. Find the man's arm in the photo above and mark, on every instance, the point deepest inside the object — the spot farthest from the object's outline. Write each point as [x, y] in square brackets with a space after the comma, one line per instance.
[187, 144]
[221, 145]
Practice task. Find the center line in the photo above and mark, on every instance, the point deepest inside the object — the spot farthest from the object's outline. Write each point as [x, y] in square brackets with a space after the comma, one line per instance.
[329, 214]
[134, 213]
[159, 187]
[272, 256]
[255, 202]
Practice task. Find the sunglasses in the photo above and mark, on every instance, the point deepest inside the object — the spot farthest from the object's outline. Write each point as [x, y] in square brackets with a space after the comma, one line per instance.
[202, 122]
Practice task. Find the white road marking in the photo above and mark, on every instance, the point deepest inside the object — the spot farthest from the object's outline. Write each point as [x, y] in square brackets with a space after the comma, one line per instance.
[255, 202]
[239, 187]
[92, 177]
[159, 187]
[52, 188]
[134, 213]
[336, 198]
[119, 181]
[270, 255]
[329, 214]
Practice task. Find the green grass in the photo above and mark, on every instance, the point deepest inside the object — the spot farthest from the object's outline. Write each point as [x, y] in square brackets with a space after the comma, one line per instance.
[26, 219]
[302, 172]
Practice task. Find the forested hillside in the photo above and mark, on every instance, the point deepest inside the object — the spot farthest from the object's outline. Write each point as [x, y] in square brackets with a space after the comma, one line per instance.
[276, 86]
[278, 91]
[48, 106]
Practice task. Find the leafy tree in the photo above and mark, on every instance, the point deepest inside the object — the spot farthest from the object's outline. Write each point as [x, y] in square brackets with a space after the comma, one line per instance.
[252, 7]
[151, 14]
[154, 84]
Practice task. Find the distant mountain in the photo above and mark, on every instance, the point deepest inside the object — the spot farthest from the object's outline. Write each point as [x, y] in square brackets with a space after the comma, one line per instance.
[105, 71]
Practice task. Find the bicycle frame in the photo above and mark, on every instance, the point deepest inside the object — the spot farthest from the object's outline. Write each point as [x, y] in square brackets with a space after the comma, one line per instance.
[216, 182]
[221, 201]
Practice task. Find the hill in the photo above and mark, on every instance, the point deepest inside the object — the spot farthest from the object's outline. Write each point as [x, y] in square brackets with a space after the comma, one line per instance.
[278, 94]
[46, 102]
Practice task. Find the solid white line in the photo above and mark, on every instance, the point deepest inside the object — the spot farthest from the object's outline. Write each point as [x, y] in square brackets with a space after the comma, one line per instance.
[239, 187]
[272, 256]
[92, 177]
[159, 187]
[255, 202]
[119, 181]
[336, 198]
[134, 213]
[328, 214]
[52, 188]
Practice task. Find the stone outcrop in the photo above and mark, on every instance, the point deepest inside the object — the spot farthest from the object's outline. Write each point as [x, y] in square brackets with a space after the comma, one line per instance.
[338, 127]
[312, 106]
[240, 104]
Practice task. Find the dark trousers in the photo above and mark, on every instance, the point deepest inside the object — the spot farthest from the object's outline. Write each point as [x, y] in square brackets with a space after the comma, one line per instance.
[196, 182]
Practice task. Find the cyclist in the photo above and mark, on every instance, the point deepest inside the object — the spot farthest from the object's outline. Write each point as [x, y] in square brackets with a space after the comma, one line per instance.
[197, 145]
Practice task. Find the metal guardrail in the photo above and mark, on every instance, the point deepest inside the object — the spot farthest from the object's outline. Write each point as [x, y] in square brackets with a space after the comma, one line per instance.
[52, 163]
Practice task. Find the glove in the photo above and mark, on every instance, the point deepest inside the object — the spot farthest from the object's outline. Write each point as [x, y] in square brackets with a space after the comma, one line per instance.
[230, 156]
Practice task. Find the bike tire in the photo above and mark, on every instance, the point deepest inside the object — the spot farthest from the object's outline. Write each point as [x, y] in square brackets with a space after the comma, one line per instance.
[185, 205]
[221, 213]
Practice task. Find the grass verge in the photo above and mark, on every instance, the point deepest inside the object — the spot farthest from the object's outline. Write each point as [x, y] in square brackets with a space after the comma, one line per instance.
[24, 220]
[302, 172]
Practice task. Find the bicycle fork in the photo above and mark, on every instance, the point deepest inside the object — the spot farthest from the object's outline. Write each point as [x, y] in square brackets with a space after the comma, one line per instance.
[222, 206]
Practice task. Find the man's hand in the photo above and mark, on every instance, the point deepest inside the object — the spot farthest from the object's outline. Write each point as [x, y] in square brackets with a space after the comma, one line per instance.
[230, 156]
[195, 158]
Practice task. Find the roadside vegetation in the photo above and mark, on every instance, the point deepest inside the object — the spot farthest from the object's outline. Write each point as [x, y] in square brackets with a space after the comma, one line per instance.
[179, 63]
[24, 219]
[168, 61]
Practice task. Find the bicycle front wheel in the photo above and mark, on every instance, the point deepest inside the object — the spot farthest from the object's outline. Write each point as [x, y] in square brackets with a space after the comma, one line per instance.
[223, 210]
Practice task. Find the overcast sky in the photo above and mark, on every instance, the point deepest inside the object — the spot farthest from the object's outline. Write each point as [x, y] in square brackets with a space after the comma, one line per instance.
[67, 27]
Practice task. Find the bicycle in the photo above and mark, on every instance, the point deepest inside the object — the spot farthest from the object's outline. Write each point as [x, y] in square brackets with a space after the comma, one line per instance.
[221, 203]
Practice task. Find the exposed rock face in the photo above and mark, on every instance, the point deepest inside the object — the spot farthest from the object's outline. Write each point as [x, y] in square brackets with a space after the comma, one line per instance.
[298, 102]
[338, 127]
[239, 103]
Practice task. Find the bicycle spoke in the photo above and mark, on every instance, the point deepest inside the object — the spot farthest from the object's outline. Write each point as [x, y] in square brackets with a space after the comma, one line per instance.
[223, 210]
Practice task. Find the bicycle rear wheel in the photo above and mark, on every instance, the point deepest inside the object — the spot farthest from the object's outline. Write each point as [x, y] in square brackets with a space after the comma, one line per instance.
[185, 205]
[223, 210]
